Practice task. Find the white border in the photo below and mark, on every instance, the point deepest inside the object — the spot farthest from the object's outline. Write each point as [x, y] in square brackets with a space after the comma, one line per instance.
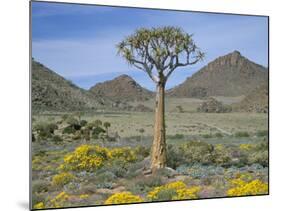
[14, 87]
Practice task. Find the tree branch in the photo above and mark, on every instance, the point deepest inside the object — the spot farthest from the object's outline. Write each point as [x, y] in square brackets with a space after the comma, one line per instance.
[145, 68]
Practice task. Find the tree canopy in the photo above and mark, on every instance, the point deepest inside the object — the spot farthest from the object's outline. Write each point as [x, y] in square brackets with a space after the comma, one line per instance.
[159, 51]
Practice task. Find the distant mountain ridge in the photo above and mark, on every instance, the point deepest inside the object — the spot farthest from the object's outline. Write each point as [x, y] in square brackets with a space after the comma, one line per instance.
[121, 88]
[51, 91]
[229, 75]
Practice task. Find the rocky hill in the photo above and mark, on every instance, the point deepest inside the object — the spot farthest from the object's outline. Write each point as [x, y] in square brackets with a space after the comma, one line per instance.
[122, 88]
[51, 91]
[255, 101]
[229, 75]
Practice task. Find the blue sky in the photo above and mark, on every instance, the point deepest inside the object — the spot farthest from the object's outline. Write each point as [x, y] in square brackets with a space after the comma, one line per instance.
[78, 41]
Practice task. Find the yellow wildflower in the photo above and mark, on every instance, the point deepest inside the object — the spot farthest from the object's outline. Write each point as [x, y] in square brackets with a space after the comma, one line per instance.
[62, 179]
[59, 200]
[181, 191]
[84, 196]
[245, 146]
[91, 157]
[242, 188]
[123, 198]
[39, 205]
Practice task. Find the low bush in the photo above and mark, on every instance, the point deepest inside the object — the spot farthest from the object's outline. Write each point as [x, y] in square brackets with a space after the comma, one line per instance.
[39, 205]
[218, 135]
[221, 155]
[173, 191]
[144, 185]
[106, 185]
[241, 187]
[92, 157]
[57, 139]
[105, 176]
[40, 186]
[45, 130]
[118, 167]
[69, 130]
[194, 152]
[62, 179]
[142, 151]
[256, 153]
[262, 133]
[60, 200]
[241, 134]
[83, 123]
[260, 157]
[174, 157]
[199, 171]
[207, 136]
[97, 131]
[123, 198]
[197, 152]
[176, 136]
[64, 117]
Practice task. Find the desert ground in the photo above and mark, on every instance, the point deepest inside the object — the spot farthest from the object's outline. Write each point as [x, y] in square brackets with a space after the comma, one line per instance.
[209, 155]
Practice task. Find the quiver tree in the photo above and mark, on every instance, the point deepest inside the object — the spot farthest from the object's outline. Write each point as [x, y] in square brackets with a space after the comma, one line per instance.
[158, 52]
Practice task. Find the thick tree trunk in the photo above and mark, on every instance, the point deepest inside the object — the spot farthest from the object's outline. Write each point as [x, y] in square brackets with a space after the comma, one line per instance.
[158, 153]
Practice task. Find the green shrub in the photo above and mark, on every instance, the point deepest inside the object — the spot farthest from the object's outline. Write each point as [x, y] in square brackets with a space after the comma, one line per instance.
[83, 123]
[62, 179]
[197, 152]
[259, 154]
[263, 146]
[90, 125]
[262, 133]
[118, 168]
[142, 151]
[97, 123]
[52, 127]
[104, 178]
[152, 181]
[77, 136]
[241, 134]
[164, 172]
[38, 197]
[221, 155]
[166, 194]
[106, 185]
[207, 136]
[106, 124]
[97, 131]
[218, 135]
[45, 130]
[176, 136]
[68, 130]
[141, 130]
[174, 157]
[260, 157]
[57, 139]
[134, 169]
[64, 117]
[39, 186]
[144, 185]
[179, 109]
